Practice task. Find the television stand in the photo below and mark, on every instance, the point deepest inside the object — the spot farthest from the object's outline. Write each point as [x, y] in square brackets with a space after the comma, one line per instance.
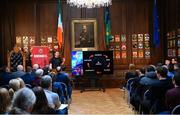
[94, 84]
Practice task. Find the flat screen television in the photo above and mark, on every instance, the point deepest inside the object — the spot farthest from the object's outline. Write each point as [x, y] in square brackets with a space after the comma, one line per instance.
[77, 63]
[97, 62]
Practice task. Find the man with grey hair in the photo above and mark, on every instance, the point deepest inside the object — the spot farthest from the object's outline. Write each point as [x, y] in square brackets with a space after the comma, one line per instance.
[23, 101]
[38, 74]
[19, 73]
[53, 98]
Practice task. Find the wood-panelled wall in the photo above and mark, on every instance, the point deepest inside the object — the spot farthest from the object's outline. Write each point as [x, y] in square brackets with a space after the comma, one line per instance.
[39, 18]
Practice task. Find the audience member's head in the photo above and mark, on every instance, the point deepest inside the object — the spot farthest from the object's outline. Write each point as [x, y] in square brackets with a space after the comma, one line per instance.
[14, 84]
[63, 68]
[58, 69]
[176, 66]
[176, 78]
[174, 60]
[20, 68]
[23, 101]
[46, 82]
[46, 70]
[132, 67]
[22, 84]
[4, 69]
[171, 68]
[151, 68]
[5, 100]
[39, 73]
[29, 69]
[35, 66]
[41, 104]
[142, 70]
[167, 62]
[161, 72]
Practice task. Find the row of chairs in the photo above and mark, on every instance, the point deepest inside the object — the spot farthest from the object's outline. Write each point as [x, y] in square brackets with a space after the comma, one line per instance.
[142, 98]
[63, 91]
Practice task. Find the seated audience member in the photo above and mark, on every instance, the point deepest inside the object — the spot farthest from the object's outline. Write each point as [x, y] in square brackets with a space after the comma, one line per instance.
[19, 72]
[176, 66]
[158, 91]
[173, 60]
[131, 73]
[5, 76]
[170, 73]
[23, 101]
[22, 84]
[28, 77]
[141, 73]
[5, 101]
[173, 95]
[35, 67]
[46, 70]
[38, 75]
[53, 98]
[14, 85]
[150, 76]
[64, 78]
[167, 62]
[41, 106]
[162, 77]
[135, 83]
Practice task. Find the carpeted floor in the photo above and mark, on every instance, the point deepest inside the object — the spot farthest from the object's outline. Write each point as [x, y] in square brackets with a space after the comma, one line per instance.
[98, 102]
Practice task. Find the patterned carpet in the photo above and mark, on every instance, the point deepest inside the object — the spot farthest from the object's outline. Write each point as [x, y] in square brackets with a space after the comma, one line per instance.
[98, 102]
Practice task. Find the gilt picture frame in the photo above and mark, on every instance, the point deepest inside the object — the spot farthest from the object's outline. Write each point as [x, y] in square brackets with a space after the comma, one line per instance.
[84, 34]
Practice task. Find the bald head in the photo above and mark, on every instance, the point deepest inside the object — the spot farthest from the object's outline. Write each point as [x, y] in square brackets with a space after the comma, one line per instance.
[20, 68]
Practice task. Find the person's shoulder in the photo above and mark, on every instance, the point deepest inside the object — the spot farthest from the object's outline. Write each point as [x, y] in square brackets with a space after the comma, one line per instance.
[54, 95]
[65, 74]
[173, 90]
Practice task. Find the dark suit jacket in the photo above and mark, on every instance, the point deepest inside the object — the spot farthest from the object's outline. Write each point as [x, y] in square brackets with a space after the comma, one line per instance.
[173, 98]
[18, 74]
[28, 78]
[5, 78]
[63, 77]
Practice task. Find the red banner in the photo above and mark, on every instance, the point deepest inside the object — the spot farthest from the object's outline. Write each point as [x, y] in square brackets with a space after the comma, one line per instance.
[40, 55]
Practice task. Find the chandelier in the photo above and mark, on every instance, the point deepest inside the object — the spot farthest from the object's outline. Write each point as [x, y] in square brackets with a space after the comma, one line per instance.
[89, 3]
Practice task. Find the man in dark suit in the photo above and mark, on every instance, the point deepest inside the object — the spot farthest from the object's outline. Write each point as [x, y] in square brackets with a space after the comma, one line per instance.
[5, 76]
[173, 95]
[64, 78]
[19, 72]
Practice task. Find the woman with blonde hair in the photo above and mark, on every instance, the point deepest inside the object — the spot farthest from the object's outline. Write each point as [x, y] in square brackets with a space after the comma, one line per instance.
[14, 85]
[22, 84]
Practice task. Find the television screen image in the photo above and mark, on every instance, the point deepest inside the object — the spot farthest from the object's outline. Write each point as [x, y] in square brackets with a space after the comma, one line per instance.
[98, 62]
[77, 63]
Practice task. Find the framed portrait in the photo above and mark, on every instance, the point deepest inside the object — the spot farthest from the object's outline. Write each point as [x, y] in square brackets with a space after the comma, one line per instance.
[84, 34]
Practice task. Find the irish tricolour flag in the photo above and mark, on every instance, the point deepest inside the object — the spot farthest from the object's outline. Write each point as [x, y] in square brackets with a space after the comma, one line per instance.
[60, 26]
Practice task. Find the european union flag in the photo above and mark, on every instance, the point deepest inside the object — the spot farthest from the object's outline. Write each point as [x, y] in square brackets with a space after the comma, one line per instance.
[156, 40]
[107, 25]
